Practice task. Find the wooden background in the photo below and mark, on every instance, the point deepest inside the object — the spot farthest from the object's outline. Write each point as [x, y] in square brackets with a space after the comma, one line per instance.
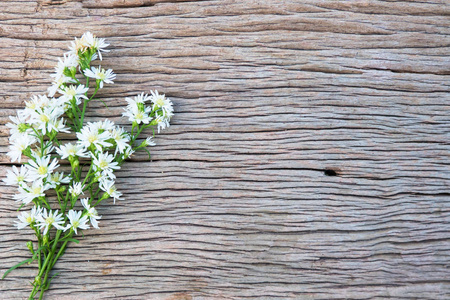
[268, 95]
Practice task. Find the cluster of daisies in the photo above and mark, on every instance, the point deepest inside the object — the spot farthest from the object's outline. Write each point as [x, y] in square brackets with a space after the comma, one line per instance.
[99, 150]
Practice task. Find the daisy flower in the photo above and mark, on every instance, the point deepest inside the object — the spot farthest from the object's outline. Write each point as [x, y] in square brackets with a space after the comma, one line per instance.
[78, 46]
[121, 138]
[36, 102]
[76, 92]
[91, 212]
[59, 125]
[100, 74]
[108, 187]
[16, 176]
[148, 142]
[141, 98]
[57, 82]
[76, 221]
[69, 61]
[48, 219]
[128, 152]
[44, 118]
[19, 144]
[57, 179]
[95, 43]
[160, 101]
[162, 122]
[71, 150]
[103, 125]
[28, 194]
[104, 163]
[27, 218]
[41, 167]
[89, 136]
[18, 126]
[137, 113]
[76, 189]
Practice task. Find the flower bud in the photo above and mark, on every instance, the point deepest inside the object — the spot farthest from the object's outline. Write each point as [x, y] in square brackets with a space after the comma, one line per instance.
[45, 240]
[73, 71]
[23, 127]
[37, 280]
[74, 162]
[69, 114]
[30, 246]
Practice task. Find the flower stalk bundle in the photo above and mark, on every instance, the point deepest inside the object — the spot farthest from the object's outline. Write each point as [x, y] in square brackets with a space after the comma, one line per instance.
[63, 204]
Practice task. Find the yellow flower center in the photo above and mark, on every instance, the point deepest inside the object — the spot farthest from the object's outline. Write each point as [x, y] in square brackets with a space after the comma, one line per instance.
[44, 118]
[160, 101]
[71, 92]
[101, 75]
[50, 220]
[42, 170]
[103, 164]
[92, 138]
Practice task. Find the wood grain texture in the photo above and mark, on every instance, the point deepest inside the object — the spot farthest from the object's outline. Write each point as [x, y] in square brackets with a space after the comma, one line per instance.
[235, 203]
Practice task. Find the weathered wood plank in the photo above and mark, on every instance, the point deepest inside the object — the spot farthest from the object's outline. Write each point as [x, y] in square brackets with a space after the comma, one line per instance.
[268, 95]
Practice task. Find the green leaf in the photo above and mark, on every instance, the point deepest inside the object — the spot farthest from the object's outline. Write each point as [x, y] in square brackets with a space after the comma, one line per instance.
[149, 156]
[103, 102]
[70, 240]
[49, 281]
[16, 266]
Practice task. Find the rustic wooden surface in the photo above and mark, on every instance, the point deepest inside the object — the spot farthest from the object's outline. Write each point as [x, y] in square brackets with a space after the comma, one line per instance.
[268, 96]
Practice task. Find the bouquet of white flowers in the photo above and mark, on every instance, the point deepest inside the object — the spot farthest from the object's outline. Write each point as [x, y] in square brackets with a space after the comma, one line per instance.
[100, 149]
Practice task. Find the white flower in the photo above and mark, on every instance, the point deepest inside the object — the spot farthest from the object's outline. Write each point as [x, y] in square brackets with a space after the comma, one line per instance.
[79, 45]
[76, 221]
[108, 187]
[69, 61]
[28, 194]
[91, 212]
[70, 149]
[141, 98]
[95, 43]
[45, 118]
[57, 179]
[103, 75]
[59, 125]
[164, 109]
[76, 189]
[128, 152]
[89, 135]
[18, 126]
[45, 220]
[104, 163]
[136, 112]
[41, 167]
[148, 142]
[160, 101]
[16, 176]
[162, 122]
[27, 218]
[76, 92]
[35, 103]
[19, 144]
[121, 138]
[103, 125]
[59, 80]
